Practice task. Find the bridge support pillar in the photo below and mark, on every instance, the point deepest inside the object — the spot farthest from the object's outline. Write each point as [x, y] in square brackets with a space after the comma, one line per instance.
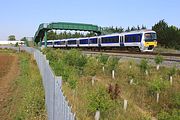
[40, 42]
[45, 39]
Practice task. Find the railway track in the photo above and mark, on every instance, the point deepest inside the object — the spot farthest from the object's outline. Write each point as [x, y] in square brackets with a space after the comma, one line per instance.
[167, 56]
[170, 59]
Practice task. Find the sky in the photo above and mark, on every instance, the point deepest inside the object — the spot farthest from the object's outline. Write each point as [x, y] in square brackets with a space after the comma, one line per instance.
[22, 17]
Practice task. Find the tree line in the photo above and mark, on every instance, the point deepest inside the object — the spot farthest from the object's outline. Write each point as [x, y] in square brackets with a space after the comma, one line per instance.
[53, 35]
[167, 35]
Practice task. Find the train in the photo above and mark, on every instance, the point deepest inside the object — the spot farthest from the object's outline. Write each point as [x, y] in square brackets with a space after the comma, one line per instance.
[142, 40]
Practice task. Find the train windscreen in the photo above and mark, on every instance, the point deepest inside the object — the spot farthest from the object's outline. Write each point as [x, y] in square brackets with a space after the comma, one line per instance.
[150, 37]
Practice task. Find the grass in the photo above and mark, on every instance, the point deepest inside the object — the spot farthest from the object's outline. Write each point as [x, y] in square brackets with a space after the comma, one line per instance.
[27, 101]
[142, 103]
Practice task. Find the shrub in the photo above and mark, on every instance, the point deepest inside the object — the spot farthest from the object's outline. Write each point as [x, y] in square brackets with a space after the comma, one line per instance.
[175, 98]
[92, 66]
[103, 58]
[172, 71]
[174, 115]
[158, 59]
[114, 91]
[144, 65]
[75, 58]
[111, 63]
[99, 100]
[158, 85]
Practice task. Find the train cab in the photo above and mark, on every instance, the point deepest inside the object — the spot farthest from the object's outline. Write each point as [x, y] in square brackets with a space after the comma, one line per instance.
[149, 41]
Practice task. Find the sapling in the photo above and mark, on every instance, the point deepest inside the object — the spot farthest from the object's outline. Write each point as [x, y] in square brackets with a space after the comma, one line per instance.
[91, 68]
[158, 60]
[99, 102]
[103, 59]
[157, 86]
[144, 66]
[111, 64]
[172, 71]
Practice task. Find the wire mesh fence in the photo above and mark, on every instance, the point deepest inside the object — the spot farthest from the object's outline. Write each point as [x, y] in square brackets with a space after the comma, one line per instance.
[57, 106]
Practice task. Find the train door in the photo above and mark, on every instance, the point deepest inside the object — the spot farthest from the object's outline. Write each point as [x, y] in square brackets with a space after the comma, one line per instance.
[121, 41]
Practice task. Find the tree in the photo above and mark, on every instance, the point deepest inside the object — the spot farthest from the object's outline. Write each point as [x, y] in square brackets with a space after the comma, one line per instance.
[12, 38]
[51, 35]
[168, 36]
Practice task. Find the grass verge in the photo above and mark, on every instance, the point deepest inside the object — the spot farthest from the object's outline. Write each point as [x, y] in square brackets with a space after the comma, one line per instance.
[27, 101]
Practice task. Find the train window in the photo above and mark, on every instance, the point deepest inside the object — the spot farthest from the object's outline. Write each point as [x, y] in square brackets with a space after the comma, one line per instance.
[56, 43]
[49, 43]
[93, 41]
[71, 42]
[133, 38]
[126, 38]
[83, 41]
[62, 42]
[112, 39]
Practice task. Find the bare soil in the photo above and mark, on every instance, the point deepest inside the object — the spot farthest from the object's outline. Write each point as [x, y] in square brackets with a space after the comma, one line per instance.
[8, 73]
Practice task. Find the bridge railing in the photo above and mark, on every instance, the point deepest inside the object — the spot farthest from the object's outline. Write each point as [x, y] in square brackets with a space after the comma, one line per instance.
[56, 104]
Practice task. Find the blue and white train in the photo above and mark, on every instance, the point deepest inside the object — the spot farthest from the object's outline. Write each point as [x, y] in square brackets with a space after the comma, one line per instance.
[143, 40]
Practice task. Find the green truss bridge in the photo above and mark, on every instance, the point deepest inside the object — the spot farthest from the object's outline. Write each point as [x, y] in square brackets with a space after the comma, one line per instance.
[41, 33]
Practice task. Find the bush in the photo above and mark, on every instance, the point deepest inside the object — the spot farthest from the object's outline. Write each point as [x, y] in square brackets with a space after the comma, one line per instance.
[175, 99]
[174, 115]
[92, 66]
[158, 59]
[75, 58]
[144, 65]
[111, 63]
[103, 58]
[172, 71]
[158, 85]
[99, 100]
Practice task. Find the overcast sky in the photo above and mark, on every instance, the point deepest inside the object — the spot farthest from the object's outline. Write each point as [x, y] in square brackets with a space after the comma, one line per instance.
[22, 17]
